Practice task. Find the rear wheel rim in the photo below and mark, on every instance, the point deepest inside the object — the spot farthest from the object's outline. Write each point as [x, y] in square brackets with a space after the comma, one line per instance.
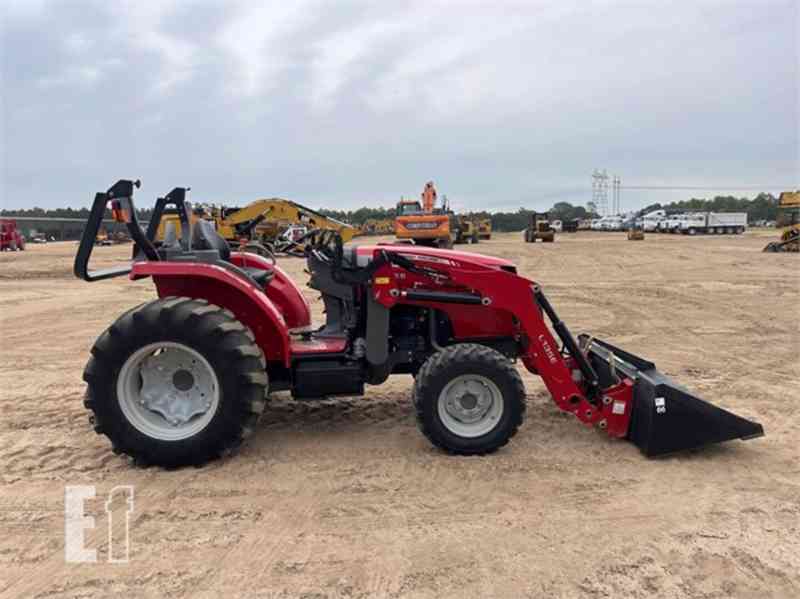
[470, 405]
[168, 391]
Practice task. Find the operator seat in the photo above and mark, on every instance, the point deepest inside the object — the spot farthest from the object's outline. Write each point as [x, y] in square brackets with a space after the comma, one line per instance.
[205, 237]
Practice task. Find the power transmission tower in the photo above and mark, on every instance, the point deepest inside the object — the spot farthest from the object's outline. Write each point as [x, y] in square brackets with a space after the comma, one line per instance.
[616, 184]
[600, 191]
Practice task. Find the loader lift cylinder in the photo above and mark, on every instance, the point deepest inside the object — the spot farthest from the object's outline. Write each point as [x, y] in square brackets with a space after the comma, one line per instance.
[589, 374]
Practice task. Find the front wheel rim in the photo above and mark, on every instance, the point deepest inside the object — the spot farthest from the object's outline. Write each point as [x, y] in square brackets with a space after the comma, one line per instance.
[470, 405]
[168, 391]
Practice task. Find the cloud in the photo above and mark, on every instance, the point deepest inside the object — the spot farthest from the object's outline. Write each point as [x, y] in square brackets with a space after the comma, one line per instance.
[350, 103]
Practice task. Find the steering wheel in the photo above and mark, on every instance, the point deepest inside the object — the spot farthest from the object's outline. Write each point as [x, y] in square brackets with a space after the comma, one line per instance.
[327, 246]
[255, 247]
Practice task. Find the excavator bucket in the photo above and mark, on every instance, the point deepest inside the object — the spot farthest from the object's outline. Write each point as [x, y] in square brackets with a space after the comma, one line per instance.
[666, 417]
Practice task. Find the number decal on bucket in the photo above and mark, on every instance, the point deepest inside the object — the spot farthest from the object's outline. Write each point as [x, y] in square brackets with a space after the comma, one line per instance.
[661, 405]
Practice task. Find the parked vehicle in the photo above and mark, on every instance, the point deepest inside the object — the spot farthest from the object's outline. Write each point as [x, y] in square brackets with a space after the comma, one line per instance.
[423, 221]
[612, 223]
[607, 223]
[571, 226]
[539, 227]
[789, 222]
[485, 228]
[651, 220]
[464, 230]
[713, 222]
[635, 231]
[670, 224]
[557, 226]
[10, 237]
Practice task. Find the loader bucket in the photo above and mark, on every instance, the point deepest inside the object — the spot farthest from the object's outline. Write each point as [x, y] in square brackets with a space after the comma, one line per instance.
[666, 418]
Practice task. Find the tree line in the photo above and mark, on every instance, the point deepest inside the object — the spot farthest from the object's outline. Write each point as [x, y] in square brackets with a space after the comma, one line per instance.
[762, 207]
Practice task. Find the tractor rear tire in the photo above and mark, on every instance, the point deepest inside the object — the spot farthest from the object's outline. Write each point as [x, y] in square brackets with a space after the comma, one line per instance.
[176, 381]
[487, 413]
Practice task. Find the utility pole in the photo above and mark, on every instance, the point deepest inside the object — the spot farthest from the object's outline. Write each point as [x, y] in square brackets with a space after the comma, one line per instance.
[600, 191]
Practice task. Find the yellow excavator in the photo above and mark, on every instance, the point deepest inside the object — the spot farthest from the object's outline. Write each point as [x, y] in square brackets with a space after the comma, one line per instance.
[788, 222]
[277, 223]
[266, 219]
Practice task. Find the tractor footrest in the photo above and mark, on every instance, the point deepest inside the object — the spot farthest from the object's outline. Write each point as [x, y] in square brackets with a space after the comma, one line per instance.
[321, 378]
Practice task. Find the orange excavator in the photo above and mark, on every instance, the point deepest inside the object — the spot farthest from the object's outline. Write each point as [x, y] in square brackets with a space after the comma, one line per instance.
[422, 222]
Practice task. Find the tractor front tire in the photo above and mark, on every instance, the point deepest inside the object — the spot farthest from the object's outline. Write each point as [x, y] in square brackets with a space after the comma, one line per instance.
[176, 381]
[469, 399]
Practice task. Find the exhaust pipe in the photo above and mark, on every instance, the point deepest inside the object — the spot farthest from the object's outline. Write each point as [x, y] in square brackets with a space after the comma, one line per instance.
[666, 417]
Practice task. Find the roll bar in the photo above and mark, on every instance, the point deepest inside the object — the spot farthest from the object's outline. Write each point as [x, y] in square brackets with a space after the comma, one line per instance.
[123, 210]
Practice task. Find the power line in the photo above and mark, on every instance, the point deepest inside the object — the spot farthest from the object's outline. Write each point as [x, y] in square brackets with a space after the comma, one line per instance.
[708, 188]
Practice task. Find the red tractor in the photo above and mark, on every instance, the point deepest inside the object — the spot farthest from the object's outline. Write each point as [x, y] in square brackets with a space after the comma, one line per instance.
[185, 377]
[10, 237]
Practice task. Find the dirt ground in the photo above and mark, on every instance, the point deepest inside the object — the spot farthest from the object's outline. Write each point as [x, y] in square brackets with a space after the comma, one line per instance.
[345, 498]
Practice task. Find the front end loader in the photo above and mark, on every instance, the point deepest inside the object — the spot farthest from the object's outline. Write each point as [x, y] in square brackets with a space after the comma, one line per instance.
[185, 377]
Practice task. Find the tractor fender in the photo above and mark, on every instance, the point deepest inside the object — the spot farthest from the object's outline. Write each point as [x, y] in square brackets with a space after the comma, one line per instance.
[226, 289]
[284, 293]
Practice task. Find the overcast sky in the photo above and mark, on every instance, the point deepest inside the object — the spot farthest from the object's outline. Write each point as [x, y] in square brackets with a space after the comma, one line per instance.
[342, 104]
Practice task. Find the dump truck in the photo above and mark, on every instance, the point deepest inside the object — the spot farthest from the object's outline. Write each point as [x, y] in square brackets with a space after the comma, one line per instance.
[184, 378]
[788, 222]
[715, 223]
[422, 222]
[539, 229]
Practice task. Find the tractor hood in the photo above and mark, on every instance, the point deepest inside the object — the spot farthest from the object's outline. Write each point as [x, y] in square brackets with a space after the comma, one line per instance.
[435, 255]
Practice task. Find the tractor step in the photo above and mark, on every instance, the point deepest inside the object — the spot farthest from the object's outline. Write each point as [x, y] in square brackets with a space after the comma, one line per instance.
[666, 417]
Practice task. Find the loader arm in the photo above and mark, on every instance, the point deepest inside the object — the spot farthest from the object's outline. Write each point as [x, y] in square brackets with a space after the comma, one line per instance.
[566, 372]
[600, 384]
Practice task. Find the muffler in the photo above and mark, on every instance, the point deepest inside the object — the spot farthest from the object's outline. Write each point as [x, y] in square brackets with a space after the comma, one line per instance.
[666, 417]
